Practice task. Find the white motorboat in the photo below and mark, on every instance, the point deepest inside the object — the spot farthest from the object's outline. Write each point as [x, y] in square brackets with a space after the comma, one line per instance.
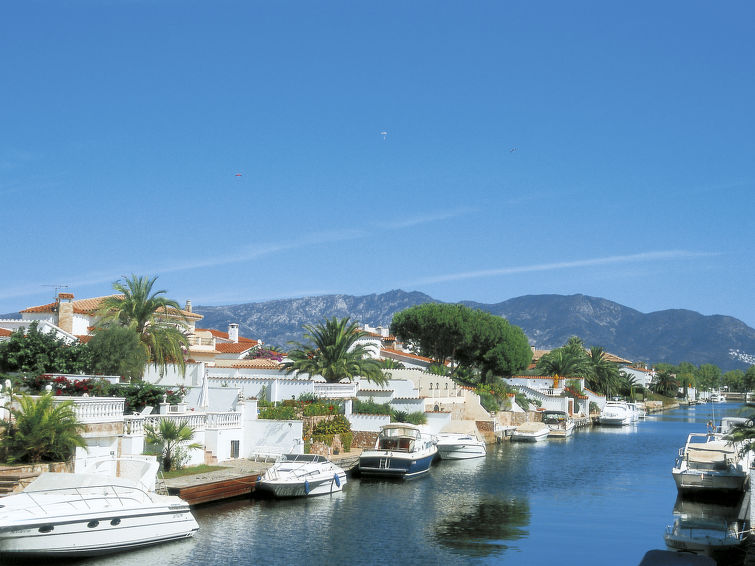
[637, 410]
[454, 446]
[531, 432]
[560, 424]
[717, 397]
[299, 475]
[62, 514]
[616, 413]
[703, 535]
[402, 450]
[709, 464]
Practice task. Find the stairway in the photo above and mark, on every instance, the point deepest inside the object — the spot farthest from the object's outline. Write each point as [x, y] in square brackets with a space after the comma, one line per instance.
[14, 482]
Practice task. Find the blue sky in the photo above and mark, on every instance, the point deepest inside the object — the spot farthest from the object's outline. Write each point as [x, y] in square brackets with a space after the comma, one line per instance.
[601, 148]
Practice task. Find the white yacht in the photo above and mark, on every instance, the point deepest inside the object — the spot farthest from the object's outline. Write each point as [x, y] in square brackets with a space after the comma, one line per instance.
[616, 413]
[708, 463]
[62, 514]
[530, 432]
[454, 446]
[703, 535]
[560, 424]
[717, 397]
[402, 450]
[298, 475]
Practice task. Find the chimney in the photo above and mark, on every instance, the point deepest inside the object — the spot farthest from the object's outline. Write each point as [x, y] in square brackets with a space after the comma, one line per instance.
[187, 308]
[233, 332]
[65, 312]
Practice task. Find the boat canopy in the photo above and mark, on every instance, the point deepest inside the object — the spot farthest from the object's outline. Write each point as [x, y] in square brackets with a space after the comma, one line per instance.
[58, 480]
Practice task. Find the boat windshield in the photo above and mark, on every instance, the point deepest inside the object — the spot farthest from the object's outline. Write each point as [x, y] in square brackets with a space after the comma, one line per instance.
[553, 418]
[397, 438]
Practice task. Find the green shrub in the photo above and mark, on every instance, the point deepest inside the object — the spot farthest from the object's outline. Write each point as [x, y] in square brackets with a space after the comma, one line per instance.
[488, 401]
[346, 439]
[281, 413]
[371, 408]
[337, 425]
[322, 408]
[418, 418]
[400, 416]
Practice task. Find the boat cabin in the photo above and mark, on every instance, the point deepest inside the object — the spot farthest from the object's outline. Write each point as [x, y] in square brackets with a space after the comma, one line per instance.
[397, 438]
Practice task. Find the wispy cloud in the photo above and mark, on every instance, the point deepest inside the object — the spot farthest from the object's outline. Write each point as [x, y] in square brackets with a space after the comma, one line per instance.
[425, 218]
[591, 262]
[241, 255]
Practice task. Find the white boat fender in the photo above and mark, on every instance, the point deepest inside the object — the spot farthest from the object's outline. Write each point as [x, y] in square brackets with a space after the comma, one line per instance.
[306, 487]
[337, 480]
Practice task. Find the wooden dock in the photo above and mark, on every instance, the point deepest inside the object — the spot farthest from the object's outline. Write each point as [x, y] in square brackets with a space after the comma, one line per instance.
[206, 492]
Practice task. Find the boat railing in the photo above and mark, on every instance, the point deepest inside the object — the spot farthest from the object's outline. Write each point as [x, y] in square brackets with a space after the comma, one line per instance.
[86, 495]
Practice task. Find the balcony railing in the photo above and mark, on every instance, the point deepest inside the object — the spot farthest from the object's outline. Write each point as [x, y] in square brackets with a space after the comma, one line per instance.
[335, 390]
[96, 409]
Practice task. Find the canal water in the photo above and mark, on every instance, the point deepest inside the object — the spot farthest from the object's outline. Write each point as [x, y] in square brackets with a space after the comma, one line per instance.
[603, 496]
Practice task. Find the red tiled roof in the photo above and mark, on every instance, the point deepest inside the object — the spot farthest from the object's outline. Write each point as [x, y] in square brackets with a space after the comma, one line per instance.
[84, 338]
[232, 347]
[224, 335]
[91, 305]
[405, 354]
[5, 332]
[258, 363]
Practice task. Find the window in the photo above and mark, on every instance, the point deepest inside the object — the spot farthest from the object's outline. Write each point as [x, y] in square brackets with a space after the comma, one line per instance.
[446, 385]
[235, 448]
[93, 524]
[431, 386]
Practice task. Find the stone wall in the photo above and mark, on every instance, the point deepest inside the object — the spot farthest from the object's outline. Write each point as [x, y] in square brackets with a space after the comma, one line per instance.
[364, 439]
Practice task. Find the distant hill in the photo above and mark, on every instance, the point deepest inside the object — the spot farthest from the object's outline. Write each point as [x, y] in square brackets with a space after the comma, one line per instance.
[548, 321]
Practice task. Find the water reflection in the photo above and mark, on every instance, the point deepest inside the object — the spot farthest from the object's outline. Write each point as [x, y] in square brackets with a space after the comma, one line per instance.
[480, 528]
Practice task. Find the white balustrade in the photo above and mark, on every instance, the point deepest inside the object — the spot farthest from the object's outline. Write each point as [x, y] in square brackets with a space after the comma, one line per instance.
[335, 390]
[223, 420]
[96, 409]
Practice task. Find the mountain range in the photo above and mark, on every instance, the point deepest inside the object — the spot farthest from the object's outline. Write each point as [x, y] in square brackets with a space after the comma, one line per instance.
[670, 336]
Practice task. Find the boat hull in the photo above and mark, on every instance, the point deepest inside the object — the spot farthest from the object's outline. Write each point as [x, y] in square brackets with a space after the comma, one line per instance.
[461, 451]
[308, 488]
[379, 463]
[101, 532]
[691, 482]
[527, 437]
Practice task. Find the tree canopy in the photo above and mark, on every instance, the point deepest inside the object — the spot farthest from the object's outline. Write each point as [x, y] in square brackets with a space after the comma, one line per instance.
[29, 350]
[117, 350]
[475, 340]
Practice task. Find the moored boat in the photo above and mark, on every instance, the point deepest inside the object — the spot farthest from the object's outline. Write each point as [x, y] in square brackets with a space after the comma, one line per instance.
[615, 413]
[710, 464]
[559, 423]
[402, 450]
[703, 535]
[300, 475]
[530, 432]
[454, 446]
[63, 514]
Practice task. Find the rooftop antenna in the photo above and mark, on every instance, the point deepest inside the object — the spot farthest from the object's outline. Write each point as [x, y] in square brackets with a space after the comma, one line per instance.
[58, 287]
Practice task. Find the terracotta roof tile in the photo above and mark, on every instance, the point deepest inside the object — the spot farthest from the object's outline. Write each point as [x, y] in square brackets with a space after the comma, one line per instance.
[405, 354]
[224, 335]
[233, 348]
[5, 332]
[91, 305]
[258, 363]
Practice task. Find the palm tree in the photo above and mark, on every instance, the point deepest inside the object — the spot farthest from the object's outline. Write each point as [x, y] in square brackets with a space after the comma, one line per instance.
[155, 318]
[561, 362]
[666, 383]
[742, 435]
[628, 383]
[602, 375]
[333, 353]
[171, 435]
[40, 430]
